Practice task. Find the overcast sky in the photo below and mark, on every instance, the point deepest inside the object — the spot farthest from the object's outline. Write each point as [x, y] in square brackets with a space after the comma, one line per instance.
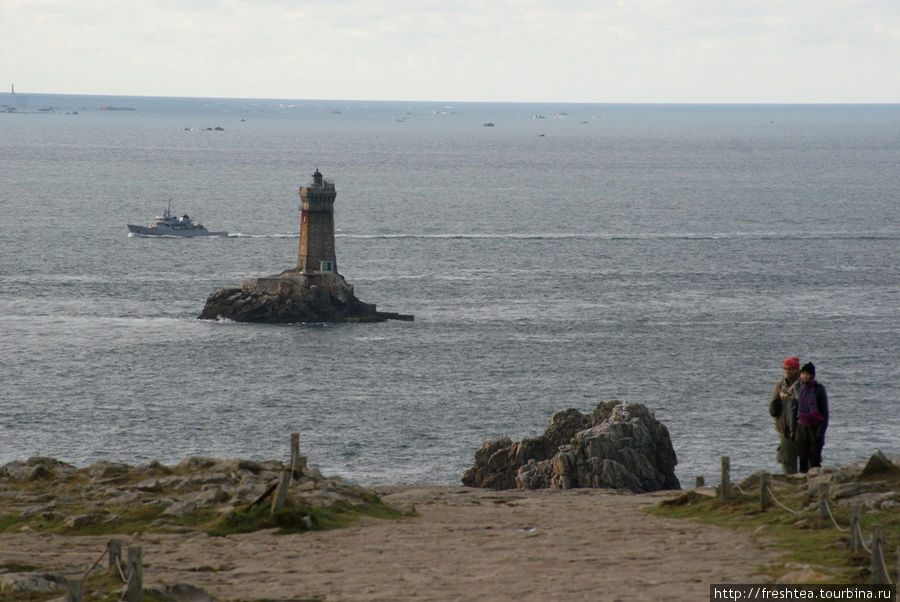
[450, 50]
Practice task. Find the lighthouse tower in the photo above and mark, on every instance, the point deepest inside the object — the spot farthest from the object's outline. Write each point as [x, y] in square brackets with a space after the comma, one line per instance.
[317, 227]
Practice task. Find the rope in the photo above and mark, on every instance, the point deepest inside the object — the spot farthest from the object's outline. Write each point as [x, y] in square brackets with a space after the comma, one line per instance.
[834, 522]
[738, 487]
[121, 572]
[125, 589]
[775, 499]
[862, 540]
[857, 527]
[887, 573]
[96, 562]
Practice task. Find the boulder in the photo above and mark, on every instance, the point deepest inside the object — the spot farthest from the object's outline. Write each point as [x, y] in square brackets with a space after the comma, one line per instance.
[292, 297]
[36, 468]
[79, 521]
[619, 445]
[31, 583]
[180, 592]
[879, 465]
[106, 470]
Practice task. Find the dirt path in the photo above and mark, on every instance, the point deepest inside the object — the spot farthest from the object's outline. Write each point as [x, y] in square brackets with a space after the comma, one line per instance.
[466, 544]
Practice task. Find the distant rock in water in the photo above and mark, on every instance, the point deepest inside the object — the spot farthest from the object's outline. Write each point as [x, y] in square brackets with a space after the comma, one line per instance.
[619, 446]
[292, 297]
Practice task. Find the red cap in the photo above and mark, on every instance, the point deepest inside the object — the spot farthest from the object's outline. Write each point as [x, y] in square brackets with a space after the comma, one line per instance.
[792, 362]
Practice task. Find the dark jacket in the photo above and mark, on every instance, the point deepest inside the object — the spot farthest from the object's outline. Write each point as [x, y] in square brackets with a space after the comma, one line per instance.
[817, 430]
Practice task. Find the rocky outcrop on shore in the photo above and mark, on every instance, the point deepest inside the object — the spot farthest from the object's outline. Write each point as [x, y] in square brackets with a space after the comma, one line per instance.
[871, 484]
[619, 446]
[76, 498]
[292, 297]
[43, 494]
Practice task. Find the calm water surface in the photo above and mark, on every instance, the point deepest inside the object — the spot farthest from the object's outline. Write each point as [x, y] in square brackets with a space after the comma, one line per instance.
[667, 255]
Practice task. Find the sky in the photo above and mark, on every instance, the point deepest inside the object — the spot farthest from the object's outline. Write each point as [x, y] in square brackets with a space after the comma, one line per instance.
[638, 51]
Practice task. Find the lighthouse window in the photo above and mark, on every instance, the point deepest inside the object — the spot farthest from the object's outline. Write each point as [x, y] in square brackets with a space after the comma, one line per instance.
[326, 266]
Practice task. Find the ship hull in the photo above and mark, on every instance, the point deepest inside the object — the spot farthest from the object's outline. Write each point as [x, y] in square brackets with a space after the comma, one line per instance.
[163, 231]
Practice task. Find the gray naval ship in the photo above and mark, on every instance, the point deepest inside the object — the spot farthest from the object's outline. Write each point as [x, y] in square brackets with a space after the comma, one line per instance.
[170, 225]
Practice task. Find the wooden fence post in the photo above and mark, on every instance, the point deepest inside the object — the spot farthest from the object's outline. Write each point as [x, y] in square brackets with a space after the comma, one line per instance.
[823, 501]
[281, 493]
[726, 478]
[115, 554]
[700, 481]
[764, 501]
[877, 565]
[135, 592]
[855, 512]
[74, 589]
[295, 454]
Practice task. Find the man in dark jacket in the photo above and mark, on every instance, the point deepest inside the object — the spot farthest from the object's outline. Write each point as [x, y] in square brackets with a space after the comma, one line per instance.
[812, 418]
[783, 408]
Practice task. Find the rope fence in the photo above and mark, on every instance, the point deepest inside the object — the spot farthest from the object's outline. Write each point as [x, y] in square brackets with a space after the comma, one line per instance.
[132, 590]
[775, 499]
[880, 574]
[133, 578]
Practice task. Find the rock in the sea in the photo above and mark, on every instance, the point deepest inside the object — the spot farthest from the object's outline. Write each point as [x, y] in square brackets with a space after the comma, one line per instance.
[292, 297]
[619, 446]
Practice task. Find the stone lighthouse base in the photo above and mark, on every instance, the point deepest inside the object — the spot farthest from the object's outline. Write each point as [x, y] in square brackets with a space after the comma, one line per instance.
[291, 297]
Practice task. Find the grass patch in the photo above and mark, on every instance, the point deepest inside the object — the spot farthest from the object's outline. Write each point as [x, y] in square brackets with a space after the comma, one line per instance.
[297, 518]
[802, 538]
[16, 567]
[58, 499]
[150, 518]
[51, 497]
[28, 596]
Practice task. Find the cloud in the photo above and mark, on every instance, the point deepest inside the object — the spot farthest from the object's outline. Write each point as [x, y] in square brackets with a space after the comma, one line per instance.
[567, 50]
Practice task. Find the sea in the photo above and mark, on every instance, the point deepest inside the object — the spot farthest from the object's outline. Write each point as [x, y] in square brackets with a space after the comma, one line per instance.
[554, 255]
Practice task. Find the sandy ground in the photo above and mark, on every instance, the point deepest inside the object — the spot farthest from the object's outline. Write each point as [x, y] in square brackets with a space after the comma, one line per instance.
[465, 544]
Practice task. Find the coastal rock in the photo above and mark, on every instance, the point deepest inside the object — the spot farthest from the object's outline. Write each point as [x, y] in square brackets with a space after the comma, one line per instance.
[79, 521]
[291, 297]
[180, 592]
[619, 445]
[31, 583]
[871, 484]
[879, 464]
[83, 497]
[35, 469]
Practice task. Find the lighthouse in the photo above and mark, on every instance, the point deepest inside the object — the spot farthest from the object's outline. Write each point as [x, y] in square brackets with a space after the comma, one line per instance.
[314, 291]
[316, 254]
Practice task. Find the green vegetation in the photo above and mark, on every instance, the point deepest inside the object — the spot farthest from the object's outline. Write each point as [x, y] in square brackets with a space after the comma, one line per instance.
[71, 503]
[62, 500]
[294, 517]
[105, 586]
[802, 538]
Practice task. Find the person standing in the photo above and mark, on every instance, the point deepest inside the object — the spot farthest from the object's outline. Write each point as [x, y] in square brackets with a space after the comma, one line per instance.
[812, 418]
[783, 408]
